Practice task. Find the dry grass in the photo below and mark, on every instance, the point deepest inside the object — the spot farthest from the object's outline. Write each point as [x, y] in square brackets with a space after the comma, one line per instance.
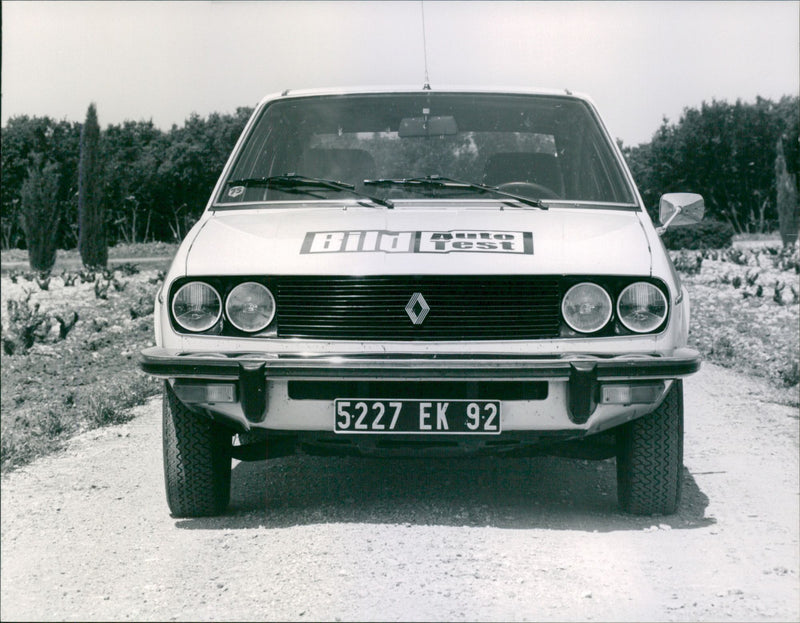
[59, 387]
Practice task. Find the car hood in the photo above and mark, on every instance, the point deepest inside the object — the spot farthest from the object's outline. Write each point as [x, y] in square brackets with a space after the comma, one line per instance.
[354, 240]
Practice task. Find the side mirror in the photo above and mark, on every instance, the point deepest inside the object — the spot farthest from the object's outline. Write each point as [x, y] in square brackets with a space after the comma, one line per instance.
[680, 209]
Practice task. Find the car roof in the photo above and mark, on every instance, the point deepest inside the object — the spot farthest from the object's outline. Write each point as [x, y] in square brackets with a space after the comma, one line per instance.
[291, 93]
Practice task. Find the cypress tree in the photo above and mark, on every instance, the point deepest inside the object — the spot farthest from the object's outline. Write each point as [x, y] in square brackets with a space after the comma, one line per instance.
[787, 199]
[92, 228]
[40, 213]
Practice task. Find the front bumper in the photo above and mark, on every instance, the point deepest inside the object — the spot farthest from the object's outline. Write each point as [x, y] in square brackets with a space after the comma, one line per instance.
[167, 363]
[579, 376]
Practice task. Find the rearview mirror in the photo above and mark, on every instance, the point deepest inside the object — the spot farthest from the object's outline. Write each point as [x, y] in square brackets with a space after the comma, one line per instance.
[427, 126]
[680, 209]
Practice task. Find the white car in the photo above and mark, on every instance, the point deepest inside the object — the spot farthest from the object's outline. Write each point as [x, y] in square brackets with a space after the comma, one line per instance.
[417, 272]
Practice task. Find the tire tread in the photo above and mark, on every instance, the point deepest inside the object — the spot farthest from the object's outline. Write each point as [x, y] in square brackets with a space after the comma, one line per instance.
[197, 461]
[650, 459]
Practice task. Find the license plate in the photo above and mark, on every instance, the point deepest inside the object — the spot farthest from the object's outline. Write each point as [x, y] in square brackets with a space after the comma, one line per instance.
[417, 416]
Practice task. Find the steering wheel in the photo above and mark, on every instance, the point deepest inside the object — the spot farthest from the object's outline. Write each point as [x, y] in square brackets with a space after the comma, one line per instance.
[529, 189]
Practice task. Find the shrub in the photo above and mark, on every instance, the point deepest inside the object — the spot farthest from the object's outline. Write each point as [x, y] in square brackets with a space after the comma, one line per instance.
[87, 276]
[736, 256]
[788, 258]
[688, 263]
[25, 325]
[101, 290]
[723, 347]
[705, 235]
[790, 374]
[65, 326]
[143, 308]
[43, 281]
[128, 269]
[777, 295]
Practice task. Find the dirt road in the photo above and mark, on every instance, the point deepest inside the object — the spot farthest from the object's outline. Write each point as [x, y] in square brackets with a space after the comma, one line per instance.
[86, 534]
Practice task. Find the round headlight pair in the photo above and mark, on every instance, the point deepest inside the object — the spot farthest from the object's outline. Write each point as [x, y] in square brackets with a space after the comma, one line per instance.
[197, 306]
[641, 307]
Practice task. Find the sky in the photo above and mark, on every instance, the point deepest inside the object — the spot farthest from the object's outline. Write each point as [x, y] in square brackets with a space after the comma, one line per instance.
[162, 61]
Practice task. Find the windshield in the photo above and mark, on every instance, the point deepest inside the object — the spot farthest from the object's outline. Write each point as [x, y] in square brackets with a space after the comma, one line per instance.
[546, 148]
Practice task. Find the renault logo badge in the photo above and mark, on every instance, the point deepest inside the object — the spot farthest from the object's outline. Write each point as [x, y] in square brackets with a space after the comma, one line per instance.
[417, 308]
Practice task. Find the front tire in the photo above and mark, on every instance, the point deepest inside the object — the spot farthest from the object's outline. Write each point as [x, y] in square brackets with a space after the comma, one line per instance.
[197, 460]
[650, 458]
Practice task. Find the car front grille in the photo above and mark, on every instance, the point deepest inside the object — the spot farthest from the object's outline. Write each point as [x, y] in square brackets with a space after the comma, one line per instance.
[458, 308]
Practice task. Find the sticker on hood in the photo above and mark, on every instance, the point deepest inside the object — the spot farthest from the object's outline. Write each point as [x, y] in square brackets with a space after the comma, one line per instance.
[454, 241]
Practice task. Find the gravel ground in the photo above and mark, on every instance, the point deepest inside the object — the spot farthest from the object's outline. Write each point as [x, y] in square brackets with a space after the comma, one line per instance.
[86, 534]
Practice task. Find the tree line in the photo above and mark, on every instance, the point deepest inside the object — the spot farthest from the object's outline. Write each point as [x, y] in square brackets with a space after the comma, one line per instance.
[743, 158]
[153, 184]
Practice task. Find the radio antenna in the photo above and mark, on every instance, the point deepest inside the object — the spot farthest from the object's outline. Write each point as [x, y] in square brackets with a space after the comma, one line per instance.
[427, 85]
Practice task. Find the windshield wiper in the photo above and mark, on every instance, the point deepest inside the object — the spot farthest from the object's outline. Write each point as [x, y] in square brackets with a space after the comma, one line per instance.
[300, 183]
[437, 181]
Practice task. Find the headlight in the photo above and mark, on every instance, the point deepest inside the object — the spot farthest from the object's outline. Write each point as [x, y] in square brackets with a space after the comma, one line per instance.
[642, 307]
[586, 307]
[196, 306]
[250, 307]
